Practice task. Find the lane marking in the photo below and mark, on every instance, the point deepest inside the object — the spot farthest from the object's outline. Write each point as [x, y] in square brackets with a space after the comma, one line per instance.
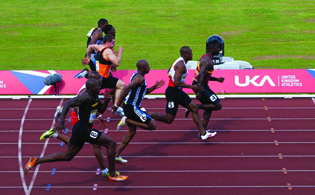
[272, 130]
[41, 155]
[180, 130]
[189, 119]
[225, 108]
[215, 156]
[176, 143]
[269, 119]
[266, 108]
[20, 148]
[95, 187]
[280, 156]
[283, 170]
[289, 186]
[164, 187]
[276, 143]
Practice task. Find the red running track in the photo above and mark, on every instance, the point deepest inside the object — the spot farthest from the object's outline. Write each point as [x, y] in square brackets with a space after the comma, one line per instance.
[263, 146]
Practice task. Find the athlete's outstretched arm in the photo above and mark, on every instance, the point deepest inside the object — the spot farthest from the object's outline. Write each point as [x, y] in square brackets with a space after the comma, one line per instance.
[157, 85]
[180, 68]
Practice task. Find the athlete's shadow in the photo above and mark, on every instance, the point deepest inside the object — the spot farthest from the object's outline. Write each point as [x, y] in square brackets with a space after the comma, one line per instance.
[96, 179]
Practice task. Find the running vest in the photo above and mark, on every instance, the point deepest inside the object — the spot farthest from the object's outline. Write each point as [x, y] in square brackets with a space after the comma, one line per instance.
[208, 74]
[102, 65]
[89, 35]
[137, 94]
[87, 114]
[171, 73]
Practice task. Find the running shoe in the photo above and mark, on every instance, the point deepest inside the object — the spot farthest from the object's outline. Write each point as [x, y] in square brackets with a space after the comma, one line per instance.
[118, 178]
[120, 159]
[119, 111]
[30, 164]
[207, 135]
[187, 111]
[81, 74]
[48, 134]
[57, 113]
[143, 109]
[105, 173]
[121, 123]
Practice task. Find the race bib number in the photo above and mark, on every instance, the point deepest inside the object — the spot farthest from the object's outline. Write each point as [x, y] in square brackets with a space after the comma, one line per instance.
[92, 116]
[143, 117]
[171, 105]
[213, 98]
[97, 66]
[93, 134]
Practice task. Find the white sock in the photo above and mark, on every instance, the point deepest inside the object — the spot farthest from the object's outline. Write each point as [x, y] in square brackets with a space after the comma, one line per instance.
[55, 135]
[124, 119]
[105, 171]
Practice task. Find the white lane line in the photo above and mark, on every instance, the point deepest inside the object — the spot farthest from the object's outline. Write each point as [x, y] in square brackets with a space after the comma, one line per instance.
[41, 155]
[214, 156]
[226, 108]
[189, 119]
[20, 147]
[180, 130]
[171, 143]
[179, 171]
[160, 187]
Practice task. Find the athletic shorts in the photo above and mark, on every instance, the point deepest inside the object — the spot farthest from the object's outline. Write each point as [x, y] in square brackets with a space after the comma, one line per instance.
[81, 133]
[134, 113]
[109, 82]
[207, 96]
[175, 96]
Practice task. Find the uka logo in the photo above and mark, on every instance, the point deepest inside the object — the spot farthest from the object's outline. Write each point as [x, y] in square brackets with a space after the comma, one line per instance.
[254, 81]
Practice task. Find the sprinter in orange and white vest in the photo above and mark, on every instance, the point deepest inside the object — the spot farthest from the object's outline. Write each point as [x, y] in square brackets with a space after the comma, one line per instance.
[105, 58]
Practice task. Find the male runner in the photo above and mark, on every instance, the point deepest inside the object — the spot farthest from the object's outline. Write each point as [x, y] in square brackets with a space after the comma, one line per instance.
[89, 104]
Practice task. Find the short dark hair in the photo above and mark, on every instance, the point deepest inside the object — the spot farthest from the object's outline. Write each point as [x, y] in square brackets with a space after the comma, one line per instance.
[212, 44]
[108, 28]
[108, 38]
[184, 50]
[102, 21]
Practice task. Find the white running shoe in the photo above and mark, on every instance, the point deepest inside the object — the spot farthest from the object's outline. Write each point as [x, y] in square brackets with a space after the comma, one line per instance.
[143, 109]
[121, 123]
[207, 135]
[120, 159]
[119, 111]
[81, 74]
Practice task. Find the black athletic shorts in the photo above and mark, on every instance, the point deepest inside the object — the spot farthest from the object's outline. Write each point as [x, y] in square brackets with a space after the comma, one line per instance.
[175, 96]
[81, 134]
[109, 82]
[207, 95]
[134, 113]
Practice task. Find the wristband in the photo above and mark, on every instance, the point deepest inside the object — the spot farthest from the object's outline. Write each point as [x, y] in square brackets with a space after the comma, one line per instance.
[63, 122]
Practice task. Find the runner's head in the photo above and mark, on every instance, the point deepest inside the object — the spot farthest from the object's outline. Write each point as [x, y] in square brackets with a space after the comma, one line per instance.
[93, 86]
[102, 23]
[186, 53]
[143, 66]
[109, 29]
[95, 75]
[109, 41]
